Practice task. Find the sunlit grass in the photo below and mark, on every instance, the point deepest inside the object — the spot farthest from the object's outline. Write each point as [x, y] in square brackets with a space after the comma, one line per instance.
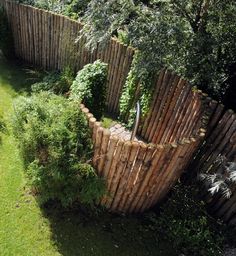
[26, 229]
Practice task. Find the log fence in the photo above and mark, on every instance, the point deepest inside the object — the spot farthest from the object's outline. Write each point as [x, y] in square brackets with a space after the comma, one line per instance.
[50, 40]
[220, 142]
[138, 174]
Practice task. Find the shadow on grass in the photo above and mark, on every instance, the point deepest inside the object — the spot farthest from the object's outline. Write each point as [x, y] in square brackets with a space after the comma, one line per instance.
[81, 232]
[77, 231]
[19, 76]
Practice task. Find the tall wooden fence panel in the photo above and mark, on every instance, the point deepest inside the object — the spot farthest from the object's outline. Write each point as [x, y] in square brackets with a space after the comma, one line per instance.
[48, 40]
[220, 142]
[177, 111]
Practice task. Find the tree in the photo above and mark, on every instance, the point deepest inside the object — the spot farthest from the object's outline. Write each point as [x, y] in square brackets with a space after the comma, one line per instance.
[193, 38]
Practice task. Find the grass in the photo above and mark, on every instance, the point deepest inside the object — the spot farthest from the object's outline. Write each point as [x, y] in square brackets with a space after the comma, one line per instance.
[26, 229]
[108, 122]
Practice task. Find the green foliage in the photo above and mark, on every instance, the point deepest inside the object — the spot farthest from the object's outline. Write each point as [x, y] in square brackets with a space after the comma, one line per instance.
[55, 143]
[107, 122]
[58, 83]
[2, 125]
[194, 38]
[6, 41]
[222, 179]
[76, 8]
[72, 8]
[3, 128]
[184, 222]
[135, 89]
[90, 87]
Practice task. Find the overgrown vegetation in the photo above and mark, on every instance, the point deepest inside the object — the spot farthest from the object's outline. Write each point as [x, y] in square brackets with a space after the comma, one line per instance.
[73, 8]
[193, 38]
[56, 82]
[51, 230]
[135, 90]
[185, 223]
[89, 87]
[3, 127]
[220, 177]
[56, 147]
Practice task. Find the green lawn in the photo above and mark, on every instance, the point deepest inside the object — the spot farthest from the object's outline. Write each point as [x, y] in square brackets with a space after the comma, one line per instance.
[26, 229]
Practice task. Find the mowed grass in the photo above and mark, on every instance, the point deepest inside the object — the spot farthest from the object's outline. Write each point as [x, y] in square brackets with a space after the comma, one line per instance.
[26, 229]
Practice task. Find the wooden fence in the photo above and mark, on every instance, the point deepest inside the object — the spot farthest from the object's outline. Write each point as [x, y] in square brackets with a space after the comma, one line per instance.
[48, 40]
[220, 142]
[138, 175]
[176, 111]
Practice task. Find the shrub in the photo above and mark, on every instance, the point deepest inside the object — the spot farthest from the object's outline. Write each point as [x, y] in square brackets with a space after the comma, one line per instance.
[58, 83]
[76, 8]
[90, 87]
[55, 143]
[222, 179]
[184, 222]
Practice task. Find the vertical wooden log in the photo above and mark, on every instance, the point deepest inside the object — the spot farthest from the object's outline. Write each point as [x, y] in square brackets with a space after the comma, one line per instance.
[124, 183]
[113, 173]
[104, 151]
[119, 179]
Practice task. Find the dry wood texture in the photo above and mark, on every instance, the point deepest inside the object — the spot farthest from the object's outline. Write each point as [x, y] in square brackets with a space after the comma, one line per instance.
[48, 40]
[138, 175]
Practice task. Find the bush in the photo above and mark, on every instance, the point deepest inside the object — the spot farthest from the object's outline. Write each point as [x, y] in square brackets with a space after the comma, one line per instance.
[58, 83]
[90, 87]
[76, 8]
[184, 222]
[55, 143]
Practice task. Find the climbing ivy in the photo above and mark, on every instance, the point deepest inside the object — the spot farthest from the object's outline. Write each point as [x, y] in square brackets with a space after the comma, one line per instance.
[137, 88]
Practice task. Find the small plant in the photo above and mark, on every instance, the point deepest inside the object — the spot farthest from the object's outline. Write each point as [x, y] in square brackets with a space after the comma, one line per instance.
[56, 147]
[107, 122]
[89, 87]
[184, 222]
[3, 128]
[58, 83]
[221, 180]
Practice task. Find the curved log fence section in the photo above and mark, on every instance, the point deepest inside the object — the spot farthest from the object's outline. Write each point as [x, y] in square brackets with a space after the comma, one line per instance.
[137, 175]
[51, 41]
[176, 111]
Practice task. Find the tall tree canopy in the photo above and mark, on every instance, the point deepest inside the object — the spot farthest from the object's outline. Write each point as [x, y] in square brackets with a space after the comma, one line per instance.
[196, 39]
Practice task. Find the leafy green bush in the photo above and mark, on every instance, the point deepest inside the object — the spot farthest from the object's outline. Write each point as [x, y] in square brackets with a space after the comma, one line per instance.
[6, 41]
[76, 8]
[184, 221]
[58, 83]
[135, 89]
[56, 146]
[90, 87]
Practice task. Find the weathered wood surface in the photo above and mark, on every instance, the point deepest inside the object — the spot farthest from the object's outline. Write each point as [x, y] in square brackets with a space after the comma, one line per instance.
[48, 40]
[137, 175]
[178, 118]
